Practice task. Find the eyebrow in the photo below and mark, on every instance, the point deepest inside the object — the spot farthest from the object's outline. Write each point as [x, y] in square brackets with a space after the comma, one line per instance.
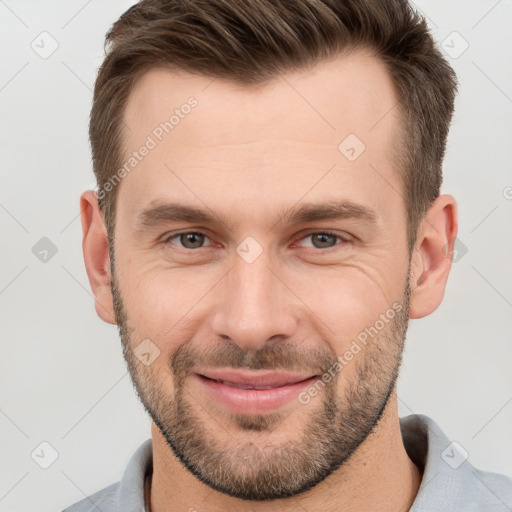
[306, 212]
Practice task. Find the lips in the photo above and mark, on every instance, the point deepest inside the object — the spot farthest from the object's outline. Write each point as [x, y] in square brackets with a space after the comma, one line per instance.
[251, 392]
[253, 380]
[242, 386]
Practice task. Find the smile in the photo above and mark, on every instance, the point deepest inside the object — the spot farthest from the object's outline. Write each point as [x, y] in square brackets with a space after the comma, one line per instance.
[252, 393]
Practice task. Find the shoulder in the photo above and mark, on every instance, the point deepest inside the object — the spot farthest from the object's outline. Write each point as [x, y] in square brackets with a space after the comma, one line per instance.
[450, 481]
[127, 495]
[490, 489]
[104, 500]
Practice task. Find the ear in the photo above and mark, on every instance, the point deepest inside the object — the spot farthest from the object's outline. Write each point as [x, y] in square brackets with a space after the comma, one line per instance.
[432, 257]
[96, 255]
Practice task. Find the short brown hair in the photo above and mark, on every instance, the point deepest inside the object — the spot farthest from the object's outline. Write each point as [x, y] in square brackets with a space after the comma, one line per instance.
[253, 41]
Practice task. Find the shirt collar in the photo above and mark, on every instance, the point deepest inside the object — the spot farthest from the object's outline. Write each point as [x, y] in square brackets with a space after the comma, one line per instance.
[130, 497]
[450, 482]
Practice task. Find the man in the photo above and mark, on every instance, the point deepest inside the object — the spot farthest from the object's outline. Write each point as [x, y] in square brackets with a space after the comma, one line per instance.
[268, 217]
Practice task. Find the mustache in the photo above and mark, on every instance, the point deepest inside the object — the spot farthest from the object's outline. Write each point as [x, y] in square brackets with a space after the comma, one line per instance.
[287, 357]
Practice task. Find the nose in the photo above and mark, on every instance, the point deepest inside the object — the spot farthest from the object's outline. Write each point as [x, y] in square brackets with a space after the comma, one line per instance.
[254, 305]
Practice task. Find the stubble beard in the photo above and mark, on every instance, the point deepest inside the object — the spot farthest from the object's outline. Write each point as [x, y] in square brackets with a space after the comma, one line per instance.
[260, 469]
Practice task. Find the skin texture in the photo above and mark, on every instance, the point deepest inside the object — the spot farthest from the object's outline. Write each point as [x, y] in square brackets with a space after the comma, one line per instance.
[250, 155]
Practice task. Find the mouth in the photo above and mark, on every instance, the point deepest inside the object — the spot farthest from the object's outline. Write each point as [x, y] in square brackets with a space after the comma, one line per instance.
[242, 386]
[252, 392]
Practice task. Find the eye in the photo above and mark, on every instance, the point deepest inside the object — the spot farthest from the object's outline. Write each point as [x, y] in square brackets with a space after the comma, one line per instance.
[324, 239]
[196, 240]
[188, 239]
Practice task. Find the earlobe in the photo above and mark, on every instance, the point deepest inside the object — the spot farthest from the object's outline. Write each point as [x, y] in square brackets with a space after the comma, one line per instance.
[95, 248]
[432, 257]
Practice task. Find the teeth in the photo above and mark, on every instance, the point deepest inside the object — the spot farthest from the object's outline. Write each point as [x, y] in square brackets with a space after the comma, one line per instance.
[242, 386]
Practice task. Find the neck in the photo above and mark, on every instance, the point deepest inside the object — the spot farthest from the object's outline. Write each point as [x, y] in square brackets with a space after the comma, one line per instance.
[378, 476]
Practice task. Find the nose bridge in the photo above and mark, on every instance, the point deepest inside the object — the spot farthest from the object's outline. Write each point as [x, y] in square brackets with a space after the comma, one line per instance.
[255, 305]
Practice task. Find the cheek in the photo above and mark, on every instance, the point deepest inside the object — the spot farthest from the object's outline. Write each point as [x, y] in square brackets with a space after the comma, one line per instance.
[162, 305]
[347, 300]
[173, 305]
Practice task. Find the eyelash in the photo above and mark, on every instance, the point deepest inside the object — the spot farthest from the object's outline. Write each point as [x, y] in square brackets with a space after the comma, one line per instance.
[329, 233]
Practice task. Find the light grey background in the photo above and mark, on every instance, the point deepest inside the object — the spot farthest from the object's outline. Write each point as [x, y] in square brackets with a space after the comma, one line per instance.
[63, 379]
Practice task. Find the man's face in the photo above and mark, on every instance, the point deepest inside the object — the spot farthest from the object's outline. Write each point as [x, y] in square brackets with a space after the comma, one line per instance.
[264, 291]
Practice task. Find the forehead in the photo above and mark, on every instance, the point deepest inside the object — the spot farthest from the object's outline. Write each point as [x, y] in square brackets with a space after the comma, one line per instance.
[347, 91]
[288, 130]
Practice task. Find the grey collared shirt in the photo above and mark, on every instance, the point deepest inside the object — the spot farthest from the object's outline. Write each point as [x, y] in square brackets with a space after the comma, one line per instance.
[450, 482]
